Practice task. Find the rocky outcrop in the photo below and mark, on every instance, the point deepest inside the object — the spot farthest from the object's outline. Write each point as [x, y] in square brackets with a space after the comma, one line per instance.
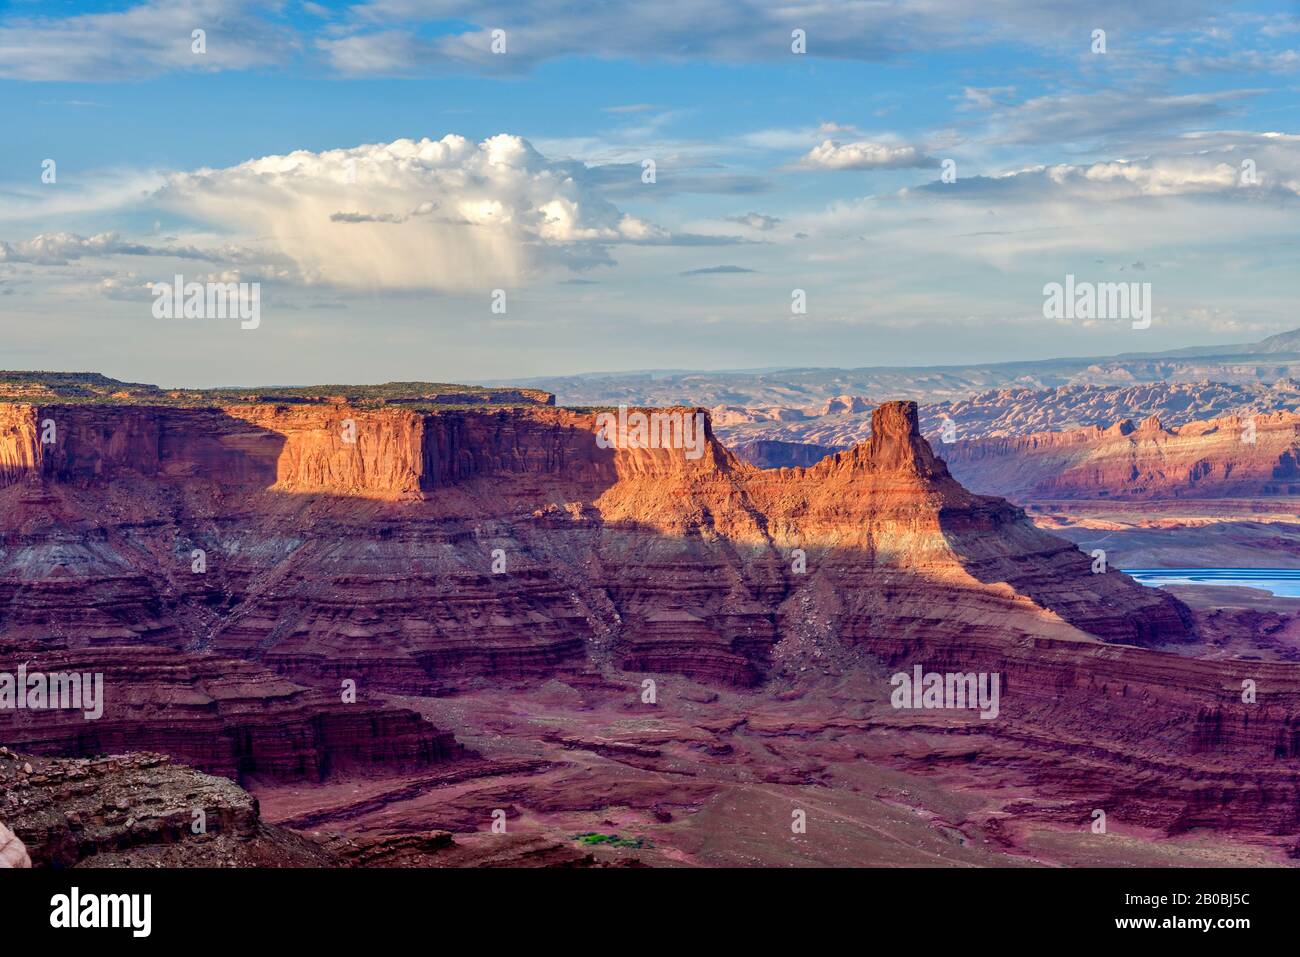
[909, 551]
[1235, 457]
[139, 810]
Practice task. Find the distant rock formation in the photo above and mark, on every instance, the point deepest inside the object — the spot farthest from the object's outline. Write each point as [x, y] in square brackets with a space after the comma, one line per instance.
[1022, 410]
[1233, 457]
[842, 404]
[1251, 365]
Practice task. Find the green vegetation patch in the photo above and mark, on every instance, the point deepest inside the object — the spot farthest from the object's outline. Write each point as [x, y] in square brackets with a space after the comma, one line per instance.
[592, 838]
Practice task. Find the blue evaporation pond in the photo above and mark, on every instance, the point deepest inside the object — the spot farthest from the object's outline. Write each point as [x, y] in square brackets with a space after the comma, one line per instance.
[1283, 582]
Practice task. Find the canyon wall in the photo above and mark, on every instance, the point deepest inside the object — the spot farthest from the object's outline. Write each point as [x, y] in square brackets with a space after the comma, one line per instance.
[1157, 740]
[448, 547]
[228, 569]
[334, 448]
[219, 714]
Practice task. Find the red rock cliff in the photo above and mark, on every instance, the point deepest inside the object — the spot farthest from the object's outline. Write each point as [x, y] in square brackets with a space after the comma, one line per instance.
[221, 715]
[447, 546]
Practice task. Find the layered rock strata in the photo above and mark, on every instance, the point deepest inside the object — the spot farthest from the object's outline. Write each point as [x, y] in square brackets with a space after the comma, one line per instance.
[221, 715]
[441, 548]
[1233, 457]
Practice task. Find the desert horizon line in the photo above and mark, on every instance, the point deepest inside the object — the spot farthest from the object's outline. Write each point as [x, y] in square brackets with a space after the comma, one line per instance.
[527, 381]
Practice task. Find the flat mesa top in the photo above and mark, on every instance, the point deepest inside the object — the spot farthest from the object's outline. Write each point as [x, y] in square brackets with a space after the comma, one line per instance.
[92, 388]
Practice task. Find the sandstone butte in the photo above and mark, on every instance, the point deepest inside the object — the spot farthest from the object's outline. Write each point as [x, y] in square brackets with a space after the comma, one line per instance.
[1230, 457]
[373, 561]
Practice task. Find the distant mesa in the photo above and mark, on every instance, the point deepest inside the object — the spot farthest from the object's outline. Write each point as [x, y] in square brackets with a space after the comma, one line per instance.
[91, 387]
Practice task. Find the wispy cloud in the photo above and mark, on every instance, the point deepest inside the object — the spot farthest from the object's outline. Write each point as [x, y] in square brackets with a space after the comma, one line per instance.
[412, 37]
[59, 249]
[717, 271]
[143, 40]
[755, 221]
[719, 30]
[1107, 116]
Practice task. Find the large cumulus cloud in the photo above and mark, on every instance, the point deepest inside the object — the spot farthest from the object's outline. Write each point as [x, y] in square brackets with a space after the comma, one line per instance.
[443, 214]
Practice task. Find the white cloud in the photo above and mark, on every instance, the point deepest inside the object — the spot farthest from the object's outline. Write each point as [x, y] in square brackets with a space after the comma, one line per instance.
[1274, 171]
[864, 154]
[1188, 216]
[442, 214]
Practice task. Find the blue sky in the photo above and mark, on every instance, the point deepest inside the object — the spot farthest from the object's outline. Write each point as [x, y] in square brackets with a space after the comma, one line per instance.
[473, 171]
